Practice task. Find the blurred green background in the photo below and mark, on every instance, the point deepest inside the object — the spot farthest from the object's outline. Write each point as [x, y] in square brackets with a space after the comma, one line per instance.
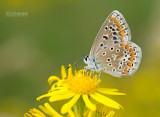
[56, 32]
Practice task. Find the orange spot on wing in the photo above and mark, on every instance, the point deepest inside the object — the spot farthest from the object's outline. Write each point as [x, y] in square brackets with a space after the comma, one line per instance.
[122, 44]
[115, 20]
[131, 59]
[122, 33]
[131, 50]
[132, 54]
[122, 39]
[118, 24]
[127, 46]
[129, 64]
[111, 18]
[125, 71]
[120, 28]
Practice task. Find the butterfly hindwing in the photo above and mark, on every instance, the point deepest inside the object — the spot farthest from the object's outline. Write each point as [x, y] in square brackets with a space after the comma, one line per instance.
[114, 30]
[120, 59]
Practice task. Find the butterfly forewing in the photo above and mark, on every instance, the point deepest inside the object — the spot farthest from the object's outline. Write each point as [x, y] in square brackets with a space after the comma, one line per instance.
[120, 59]
[113, 31]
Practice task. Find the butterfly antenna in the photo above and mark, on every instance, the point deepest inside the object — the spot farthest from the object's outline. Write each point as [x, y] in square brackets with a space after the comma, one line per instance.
[74, 62]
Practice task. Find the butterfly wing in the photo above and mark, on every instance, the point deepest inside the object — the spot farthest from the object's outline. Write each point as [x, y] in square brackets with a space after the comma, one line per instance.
[119, 59]
[114, 30]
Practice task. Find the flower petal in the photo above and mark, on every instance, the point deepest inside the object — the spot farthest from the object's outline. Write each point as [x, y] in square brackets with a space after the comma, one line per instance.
[45, 110]
[36, 112]
[52, 78]
[70, 71]
[63, 72]
[27, 115]
[71, 113]
[61, 91]
[88, 103]
[105, 100]
[54, 113]
[65, 108]
[110, 114]
[61, 97]
[108, 91]
[90, 114]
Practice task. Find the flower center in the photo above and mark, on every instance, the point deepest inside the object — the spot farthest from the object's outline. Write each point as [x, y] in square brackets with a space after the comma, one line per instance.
[82, 84]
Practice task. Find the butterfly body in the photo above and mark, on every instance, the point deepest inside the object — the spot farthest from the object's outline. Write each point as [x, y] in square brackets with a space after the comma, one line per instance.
[112, 50]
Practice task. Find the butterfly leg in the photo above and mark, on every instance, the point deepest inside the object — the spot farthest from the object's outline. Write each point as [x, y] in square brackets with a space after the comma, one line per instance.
[99, 75]
[85, 70]
[92, 71]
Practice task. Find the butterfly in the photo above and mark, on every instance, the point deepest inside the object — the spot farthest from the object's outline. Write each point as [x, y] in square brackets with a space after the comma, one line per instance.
[112, 51]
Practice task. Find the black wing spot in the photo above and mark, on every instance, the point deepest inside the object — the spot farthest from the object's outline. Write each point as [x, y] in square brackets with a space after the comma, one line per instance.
[114, 38]
[104, 53]
[105, 47]
[120, 67]
[118, 50]
[114, 33]
[113, 70]
[106, 27]
[112, 48]
[125, 52]
[101, 44]
[113, 29]
[105, 37]
[108, 59]
[110, 27]
[116, 42]
[110, 64]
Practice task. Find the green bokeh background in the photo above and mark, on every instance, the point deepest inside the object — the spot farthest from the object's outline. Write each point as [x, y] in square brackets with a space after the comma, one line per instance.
[57, 32]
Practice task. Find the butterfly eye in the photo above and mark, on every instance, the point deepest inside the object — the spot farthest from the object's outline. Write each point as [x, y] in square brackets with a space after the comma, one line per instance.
[86, 58]
[114, 15]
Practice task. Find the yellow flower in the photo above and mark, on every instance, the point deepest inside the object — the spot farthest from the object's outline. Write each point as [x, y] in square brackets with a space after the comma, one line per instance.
[47, 109]
[101, 111]
[78, 86]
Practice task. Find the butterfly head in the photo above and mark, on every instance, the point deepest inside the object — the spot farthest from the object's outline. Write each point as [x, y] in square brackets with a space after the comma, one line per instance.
[86, 59]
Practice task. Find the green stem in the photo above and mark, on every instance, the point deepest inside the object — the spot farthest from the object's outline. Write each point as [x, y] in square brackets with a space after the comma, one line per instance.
[75, 107]
[79, 107]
